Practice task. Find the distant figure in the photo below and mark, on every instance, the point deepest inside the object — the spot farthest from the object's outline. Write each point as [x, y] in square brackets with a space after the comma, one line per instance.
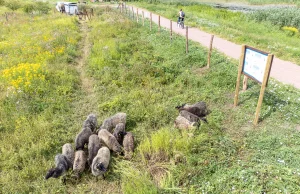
[180, 17]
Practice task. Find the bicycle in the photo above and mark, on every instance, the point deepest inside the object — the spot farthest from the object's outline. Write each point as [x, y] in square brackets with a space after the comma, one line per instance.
[181, 24]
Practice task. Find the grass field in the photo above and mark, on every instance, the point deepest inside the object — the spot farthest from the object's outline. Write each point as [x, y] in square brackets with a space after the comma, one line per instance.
[111, 64]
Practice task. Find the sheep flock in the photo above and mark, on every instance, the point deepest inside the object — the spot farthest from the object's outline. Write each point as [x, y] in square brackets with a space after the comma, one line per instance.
[93, 147]
[111, 136]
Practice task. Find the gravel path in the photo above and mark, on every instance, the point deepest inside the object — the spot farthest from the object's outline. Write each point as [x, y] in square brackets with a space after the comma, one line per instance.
[283, 71]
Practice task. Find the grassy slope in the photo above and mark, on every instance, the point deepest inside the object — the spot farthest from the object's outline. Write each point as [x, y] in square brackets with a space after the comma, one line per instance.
[142, 74]
[235, 27]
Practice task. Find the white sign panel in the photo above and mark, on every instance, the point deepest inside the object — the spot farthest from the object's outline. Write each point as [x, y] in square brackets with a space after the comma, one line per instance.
[255, 64]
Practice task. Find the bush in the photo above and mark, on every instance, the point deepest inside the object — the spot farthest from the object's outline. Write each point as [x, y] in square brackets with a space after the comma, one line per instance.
[42, 7]
[13, 5]
[29, 8]
[2, 2]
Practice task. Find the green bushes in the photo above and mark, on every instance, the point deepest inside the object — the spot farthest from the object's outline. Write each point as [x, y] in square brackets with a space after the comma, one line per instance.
[280, 17]
[40, 7]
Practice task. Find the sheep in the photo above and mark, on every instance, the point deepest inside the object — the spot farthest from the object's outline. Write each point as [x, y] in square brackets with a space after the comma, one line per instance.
[189, 116]
[93, 147]
[119, 132]
[91, 122]
[68, 151]
[110, 141]
[101, 162]
[199, 109]
[79, 162]
[183, 123]
[111, 122]
[62, 165]
[89, 125]
[128, 144]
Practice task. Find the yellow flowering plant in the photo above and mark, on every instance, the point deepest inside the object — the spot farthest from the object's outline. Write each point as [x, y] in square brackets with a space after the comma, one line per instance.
[23, 76]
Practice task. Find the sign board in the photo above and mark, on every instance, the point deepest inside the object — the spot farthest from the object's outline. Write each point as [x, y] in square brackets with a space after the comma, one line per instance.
[257, 65]
[254, 65]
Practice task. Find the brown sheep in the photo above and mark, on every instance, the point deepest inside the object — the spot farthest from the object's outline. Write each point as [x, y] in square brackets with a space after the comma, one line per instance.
[128, 144]
[93, 147]
[183, 123]
[109, 140]
[79, 163]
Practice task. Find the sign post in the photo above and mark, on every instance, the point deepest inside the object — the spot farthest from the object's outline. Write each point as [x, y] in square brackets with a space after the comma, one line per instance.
[256, 65]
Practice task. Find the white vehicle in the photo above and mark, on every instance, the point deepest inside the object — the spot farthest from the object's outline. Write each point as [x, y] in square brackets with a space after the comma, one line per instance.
[70, 8]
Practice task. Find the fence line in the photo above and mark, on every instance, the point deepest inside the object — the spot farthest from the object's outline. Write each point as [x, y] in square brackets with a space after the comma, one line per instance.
[171, 29]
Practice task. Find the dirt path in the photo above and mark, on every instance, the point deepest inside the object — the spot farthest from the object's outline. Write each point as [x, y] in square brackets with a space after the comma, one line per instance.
[283, 71]
[87, 83]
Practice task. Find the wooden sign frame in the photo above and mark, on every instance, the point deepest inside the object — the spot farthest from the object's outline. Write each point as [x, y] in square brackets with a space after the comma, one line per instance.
[263, 82]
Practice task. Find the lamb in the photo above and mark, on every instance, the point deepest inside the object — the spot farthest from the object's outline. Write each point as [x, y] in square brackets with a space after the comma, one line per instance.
[199, 109]
[128, 144]
[119, 132]
[79, 163]
[101, 162]
[62, 165]
[111, 122]
[89, 125]
[109, 140]
[68, 151]
[93, 147]
[183, 123]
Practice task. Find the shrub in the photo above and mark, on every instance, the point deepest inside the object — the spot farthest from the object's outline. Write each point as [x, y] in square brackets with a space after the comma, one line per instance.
[42, 7]
[29, 8]
[2, 2]
[13, 5]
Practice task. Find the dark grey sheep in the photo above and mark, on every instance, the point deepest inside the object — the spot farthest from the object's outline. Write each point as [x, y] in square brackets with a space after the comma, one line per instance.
[89, 125]
[93, 147]
[109, 140]
[189, 116]
[68, 151]
[79, 163]
[91, 122]
[62, 164]
[111, 122]
[119, 132]
[101, 162]
[199, 109]
[128, 144]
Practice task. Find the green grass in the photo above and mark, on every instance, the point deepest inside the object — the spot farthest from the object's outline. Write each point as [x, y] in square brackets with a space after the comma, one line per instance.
[145, 75]
[238, 27]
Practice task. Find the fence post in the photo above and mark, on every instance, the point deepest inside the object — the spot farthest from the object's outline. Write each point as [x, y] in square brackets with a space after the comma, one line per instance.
[158, 23]
[187, 39]
[209, 52]
[150, 21]
[137, 15]
[132, 13]
[143, 18]
[171, 33]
